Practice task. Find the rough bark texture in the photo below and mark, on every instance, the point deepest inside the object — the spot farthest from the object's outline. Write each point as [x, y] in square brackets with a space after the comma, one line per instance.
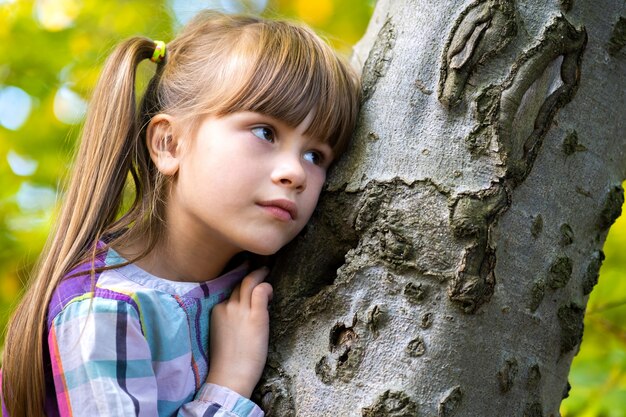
[447, 270]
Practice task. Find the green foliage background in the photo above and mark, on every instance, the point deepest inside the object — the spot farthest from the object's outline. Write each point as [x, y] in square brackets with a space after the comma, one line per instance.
[46, 45]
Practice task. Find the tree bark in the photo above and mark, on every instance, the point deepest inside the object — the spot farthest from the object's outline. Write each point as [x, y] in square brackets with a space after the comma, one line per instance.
[448, 266]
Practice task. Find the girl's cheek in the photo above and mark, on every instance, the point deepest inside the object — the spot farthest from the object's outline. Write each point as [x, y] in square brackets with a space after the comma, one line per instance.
[319, 174]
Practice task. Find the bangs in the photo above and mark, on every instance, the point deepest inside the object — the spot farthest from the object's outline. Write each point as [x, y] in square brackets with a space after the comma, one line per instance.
[285, 72]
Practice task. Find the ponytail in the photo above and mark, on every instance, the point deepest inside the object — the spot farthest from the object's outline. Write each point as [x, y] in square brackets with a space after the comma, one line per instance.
[110, 149]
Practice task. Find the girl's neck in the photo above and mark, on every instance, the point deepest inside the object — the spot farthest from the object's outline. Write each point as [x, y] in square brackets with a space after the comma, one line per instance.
[178, 259]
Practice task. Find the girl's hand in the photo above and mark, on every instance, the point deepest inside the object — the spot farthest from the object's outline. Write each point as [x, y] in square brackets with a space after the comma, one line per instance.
[240, 335]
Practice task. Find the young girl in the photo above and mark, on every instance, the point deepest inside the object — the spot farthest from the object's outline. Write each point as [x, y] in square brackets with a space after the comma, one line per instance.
[227, 154]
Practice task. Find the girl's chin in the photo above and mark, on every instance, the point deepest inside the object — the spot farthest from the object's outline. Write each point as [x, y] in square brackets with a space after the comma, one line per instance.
[267, 248]
[265, 251]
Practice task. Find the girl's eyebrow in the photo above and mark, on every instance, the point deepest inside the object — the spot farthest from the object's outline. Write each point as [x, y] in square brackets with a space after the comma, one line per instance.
[280, 124]
[253, 117]
[271, 120]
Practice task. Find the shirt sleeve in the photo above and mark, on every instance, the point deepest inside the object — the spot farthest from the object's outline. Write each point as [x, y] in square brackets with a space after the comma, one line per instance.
[102, 367]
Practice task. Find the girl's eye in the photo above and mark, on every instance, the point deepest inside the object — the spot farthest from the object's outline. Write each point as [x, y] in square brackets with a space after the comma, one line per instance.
[264, 133]
[314, 157]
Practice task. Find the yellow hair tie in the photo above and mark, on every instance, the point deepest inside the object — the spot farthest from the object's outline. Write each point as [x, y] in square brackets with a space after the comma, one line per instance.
[159, 52]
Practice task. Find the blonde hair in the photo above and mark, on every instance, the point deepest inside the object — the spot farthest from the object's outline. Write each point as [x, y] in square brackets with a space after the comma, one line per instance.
[218, 65]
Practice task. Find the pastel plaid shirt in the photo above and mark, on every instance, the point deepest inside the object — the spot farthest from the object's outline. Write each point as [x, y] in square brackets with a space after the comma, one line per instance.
[136, 346]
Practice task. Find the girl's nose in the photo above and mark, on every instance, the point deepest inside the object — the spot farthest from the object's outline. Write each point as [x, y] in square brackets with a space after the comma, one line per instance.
[290, 172]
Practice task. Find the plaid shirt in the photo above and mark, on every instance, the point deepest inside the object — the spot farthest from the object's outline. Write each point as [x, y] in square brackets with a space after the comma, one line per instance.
[136, 346]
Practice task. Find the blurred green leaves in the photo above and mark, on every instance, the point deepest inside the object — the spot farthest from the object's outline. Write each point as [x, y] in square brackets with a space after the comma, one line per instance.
[50, 50]
[598, 374]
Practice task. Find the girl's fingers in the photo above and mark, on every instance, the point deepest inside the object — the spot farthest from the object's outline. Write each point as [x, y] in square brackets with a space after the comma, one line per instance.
[261, 296]
[235, 294]
[248, 284]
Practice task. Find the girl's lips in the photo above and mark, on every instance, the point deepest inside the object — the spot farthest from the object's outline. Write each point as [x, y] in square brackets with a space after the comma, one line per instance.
[281, 208]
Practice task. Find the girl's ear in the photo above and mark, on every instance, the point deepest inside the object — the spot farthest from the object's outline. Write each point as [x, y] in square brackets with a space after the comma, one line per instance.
[163, 144]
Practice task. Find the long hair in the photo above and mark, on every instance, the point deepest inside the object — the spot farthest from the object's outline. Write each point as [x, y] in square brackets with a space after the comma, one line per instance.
[218, 65]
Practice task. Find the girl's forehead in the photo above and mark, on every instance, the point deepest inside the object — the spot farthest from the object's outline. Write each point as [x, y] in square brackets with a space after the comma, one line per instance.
[306, 123]
[302, 127]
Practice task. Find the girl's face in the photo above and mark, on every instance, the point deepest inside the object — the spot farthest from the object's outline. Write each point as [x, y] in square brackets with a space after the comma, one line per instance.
[247, 182]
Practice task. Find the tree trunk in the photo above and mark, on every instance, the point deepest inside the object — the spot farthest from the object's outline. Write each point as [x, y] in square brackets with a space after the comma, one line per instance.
[448, 266]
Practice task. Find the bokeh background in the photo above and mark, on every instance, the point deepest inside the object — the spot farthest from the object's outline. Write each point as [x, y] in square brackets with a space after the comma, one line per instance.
[50, 55]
